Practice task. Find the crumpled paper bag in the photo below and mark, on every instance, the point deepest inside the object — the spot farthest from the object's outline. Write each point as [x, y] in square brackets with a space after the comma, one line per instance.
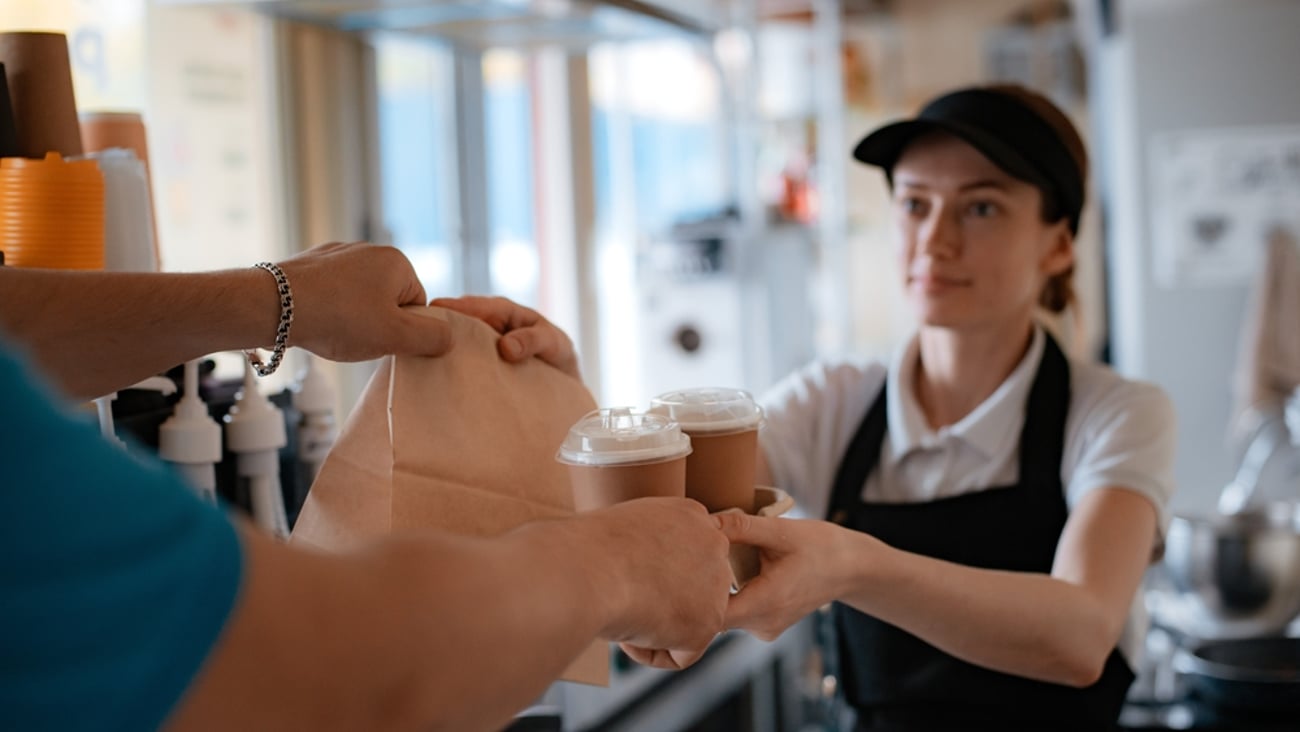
[463, 443]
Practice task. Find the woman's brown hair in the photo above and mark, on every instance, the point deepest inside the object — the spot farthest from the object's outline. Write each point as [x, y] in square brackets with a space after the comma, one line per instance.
[1058, 293]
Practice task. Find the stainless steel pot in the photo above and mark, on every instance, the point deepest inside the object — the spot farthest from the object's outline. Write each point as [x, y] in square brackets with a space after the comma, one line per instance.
[1242, 572]
[1251, 673]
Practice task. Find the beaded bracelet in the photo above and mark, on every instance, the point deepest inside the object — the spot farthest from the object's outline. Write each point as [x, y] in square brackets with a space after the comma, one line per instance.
[286, 321]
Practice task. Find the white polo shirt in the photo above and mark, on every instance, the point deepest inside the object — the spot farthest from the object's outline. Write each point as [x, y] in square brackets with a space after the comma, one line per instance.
[1118, 433]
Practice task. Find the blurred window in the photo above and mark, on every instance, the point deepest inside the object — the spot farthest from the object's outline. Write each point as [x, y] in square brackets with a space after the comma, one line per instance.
[507, 108]
[417, 157]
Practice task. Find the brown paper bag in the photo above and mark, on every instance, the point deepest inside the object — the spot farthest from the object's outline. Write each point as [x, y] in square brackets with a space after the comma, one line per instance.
[351, 500]
[464, 443]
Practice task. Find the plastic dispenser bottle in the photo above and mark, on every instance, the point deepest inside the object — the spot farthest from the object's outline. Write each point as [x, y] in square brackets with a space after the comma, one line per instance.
[255, 433]
[104, 407]
[313, 396]
[190, 439]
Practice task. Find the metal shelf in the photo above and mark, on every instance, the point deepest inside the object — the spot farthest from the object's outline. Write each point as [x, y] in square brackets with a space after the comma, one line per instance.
[514, 23]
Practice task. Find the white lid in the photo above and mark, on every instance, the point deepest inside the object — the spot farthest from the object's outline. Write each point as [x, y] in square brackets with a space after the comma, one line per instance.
[621, 436]
[709, 409]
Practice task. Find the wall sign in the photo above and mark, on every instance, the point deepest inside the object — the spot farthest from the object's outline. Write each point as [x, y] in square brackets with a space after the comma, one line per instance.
[1216, 197]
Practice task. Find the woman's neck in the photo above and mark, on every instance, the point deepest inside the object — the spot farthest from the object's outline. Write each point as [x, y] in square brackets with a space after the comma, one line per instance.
[958, 370]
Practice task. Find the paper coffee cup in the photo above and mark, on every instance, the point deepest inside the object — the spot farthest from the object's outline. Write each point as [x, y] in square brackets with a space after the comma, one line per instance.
[38, 70]
[617, 455]
[723, 427]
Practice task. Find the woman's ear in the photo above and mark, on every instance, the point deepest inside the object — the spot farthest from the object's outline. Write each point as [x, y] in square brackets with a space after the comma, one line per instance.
[1060, 249]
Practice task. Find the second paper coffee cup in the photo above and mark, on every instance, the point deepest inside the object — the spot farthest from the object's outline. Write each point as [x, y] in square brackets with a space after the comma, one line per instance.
[723, 427]
[619, 454]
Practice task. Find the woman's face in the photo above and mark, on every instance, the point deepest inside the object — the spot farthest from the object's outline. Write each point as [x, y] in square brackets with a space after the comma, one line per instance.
[973, 247]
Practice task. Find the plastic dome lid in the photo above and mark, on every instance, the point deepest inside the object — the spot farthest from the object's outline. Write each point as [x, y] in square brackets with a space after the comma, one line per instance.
[622, 436]
[710, 409]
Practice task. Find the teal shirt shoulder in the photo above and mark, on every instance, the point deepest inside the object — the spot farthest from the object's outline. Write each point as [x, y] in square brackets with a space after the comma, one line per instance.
[115, 579]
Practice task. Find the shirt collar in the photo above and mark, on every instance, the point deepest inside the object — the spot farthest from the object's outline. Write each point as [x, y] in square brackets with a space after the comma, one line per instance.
[988, 428]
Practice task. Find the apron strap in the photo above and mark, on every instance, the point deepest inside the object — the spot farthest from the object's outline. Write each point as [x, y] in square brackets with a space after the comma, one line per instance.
[859, 460]
[1042, 441]
[1041, 450]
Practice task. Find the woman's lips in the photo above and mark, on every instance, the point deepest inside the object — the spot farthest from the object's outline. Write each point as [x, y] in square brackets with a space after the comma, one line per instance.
[935, 284]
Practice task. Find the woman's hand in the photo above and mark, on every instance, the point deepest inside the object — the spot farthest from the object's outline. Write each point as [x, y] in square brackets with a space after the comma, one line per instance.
[525, 333]
[1058, 628]
[805, 564]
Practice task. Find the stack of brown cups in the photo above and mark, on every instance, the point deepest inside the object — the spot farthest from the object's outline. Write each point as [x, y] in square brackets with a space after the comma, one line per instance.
[38, 72]
[103, 130]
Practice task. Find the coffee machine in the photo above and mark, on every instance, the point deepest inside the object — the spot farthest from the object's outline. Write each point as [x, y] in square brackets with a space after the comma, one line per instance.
[722, 305]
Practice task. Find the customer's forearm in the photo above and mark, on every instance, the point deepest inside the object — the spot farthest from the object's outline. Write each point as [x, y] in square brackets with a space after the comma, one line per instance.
[91, 333]
[501, 623]
[429, 632]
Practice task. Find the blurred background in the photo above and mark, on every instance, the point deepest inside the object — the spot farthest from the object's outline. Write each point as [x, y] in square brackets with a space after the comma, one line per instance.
[670, 180]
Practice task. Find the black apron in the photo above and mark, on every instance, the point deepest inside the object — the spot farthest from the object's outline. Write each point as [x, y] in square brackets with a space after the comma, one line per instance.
[897, 681]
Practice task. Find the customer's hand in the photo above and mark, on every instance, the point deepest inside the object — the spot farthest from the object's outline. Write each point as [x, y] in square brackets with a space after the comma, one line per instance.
[348, 304]
[525, 333]
[665, 659]
[670, 577]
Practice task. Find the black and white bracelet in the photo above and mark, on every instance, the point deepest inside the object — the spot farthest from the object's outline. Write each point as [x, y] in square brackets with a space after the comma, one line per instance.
[286, 322]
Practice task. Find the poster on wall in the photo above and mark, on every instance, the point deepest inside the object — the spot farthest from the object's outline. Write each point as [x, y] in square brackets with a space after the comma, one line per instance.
[212, 114]
[1217, 195]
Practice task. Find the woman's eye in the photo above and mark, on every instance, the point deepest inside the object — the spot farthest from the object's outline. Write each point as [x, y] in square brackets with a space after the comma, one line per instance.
[982, 209]
[912, 205]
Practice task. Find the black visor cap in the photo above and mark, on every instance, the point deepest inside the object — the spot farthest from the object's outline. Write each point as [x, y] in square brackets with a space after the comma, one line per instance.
[1003, 129]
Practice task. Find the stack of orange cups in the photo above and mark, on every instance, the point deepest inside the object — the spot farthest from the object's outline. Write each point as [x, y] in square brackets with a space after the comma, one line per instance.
[52, 213]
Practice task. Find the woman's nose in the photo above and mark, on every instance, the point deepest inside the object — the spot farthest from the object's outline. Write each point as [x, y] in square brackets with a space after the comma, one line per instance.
[939, 236]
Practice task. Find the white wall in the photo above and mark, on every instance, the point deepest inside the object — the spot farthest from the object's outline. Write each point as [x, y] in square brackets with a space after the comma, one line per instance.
[1183, 66]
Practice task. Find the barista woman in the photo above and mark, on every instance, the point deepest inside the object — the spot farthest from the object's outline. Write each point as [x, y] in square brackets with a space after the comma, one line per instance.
[991, 503]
